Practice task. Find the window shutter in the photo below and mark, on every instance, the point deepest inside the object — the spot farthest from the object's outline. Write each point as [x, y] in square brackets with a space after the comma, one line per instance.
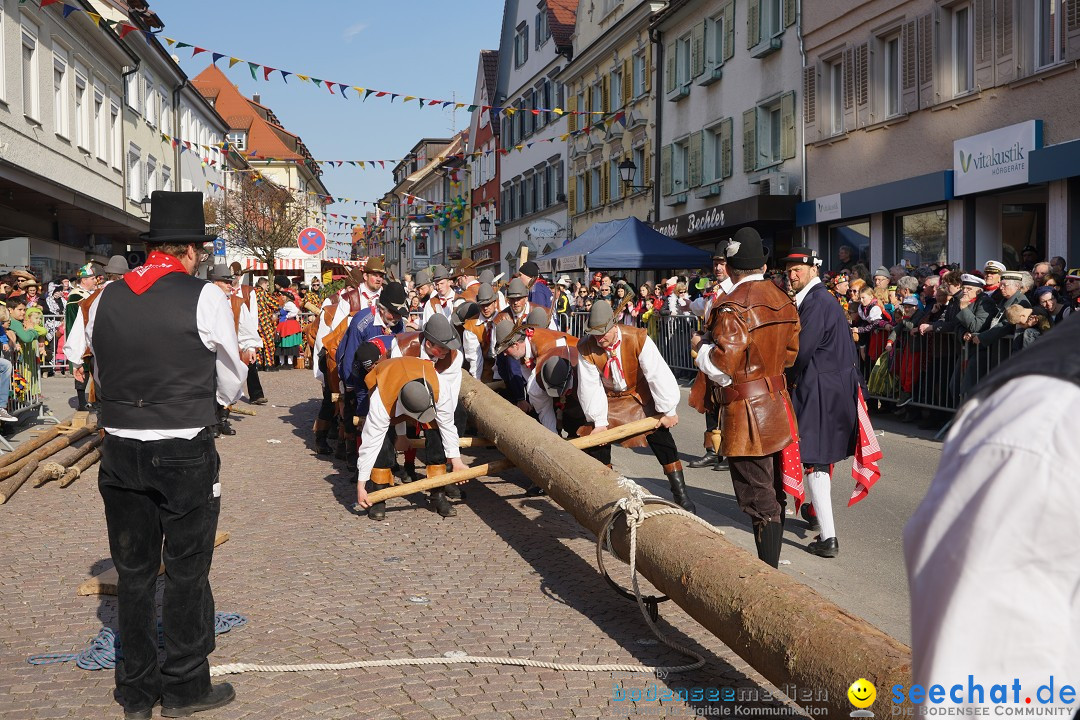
[669, 82]
[789, 13]
[572, 120]
[787, 125]
[627, 88]
[753, 23]
[809, 86]
[909, 78]
[665, 169]
[648, 68]
[726, 131]
[697, 50]
[695, 153]
[983, 13]
[587, 179]
[862, 84]
[1003, 41]
[749, 140]
[927, 61]
[588, 107]
[605, 184]
[849, 89]
[605, 94]
[729, 30]
[646, 158]
[571, 195]
[1072, 29]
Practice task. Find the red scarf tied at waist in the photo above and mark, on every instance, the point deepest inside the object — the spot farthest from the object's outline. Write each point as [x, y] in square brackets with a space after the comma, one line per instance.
[157, 266]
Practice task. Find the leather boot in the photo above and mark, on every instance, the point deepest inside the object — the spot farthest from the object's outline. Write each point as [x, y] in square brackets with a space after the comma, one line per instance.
[438, 496]
[710, 456]
[674, 472]
[339, 449]
[322, 428]
[351, 452]
[768, 536]
[380, 478]
[410, 466]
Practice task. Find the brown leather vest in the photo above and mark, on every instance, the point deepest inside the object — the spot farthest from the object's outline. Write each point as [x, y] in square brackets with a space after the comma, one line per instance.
[237, 306]
[756, 334]
[392, 374]
[352, 296]
[469, 293]
[568, 351]
[634, 403]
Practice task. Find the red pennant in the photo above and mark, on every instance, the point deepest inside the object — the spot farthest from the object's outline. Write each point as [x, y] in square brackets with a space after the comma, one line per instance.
[47, 3]
[196, 50]
[266, 72]
[329, 86]
[125, 29]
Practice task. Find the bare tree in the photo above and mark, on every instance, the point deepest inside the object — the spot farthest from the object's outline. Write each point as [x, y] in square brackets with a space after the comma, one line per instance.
[260, 217]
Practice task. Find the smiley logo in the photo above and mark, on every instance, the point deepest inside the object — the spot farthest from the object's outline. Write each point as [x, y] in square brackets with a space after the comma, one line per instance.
[862, 693]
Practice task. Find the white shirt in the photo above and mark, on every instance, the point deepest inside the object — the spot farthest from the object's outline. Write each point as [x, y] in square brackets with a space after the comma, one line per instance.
[992, 558]
[704, 362]
[248, 330]
[449, 302]
[801, 295]
[214, 319]
[541, 402]
[449, 390]
[726, 286]
[662, 383]
[471, 348]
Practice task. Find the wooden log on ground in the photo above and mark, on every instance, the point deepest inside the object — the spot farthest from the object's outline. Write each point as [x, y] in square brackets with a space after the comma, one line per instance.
[29, 446]
[10, 486]
[241, 411]
[463, 442]
[104, 583]
[55, 467]
[602, 438]
[75, 471]
[785, 630]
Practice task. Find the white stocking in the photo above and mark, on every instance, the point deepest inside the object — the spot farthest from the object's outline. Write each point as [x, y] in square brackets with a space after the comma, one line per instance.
[820, 485]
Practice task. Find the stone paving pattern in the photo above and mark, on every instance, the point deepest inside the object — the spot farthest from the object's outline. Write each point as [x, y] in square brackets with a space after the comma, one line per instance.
[509, 576]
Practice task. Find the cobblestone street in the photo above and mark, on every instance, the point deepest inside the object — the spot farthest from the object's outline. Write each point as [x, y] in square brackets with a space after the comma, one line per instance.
[509, 576]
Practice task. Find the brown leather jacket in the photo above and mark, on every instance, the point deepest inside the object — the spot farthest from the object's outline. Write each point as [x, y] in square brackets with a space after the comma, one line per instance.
[756, 336]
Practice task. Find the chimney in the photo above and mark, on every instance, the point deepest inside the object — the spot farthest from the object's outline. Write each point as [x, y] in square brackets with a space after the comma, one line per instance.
[257, 98]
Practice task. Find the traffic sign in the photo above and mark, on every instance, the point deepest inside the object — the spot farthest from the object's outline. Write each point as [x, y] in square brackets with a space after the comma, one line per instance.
[219, 247]
[311, 240]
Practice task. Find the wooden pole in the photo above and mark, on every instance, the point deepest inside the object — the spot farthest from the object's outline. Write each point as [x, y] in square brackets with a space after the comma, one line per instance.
[59, 442]
[784, 629]
[72, 473]
[602, 438]
[12, 484]
[463, 442]
[58, 463]
[27, 447]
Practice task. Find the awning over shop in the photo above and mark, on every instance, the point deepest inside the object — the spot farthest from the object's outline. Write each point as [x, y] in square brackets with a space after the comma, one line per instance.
[626, 244]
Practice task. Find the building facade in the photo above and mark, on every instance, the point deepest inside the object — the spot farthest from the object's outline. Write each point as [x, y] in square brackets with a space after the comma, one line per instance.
[610, 80]
[726, 116]
[534, 49]
[62, 162]
[409, 239]
[483, 164]
[942, 132]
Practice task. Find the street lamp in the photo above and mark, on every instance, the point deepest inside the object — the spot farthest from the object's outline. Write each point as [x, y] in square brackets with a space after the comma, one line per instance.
[627, 171]
[485, 226]
[145, 204]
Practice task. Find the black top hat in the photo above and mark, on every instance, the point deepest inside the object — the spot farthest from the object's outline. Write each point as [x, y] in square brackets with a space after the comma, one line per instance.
[745, 251]
[394, 298]
[802, 256]
[176, 217]
[282, 281]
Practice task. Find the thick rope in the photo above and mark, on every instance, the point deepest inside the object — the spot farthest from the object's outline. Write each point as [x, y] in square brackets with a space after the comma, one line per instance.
[105, 648]
[634, 507]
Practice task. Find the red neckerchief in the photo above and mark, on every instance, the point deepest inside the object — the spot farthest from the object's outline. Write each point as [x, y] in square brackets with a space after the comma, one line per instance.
[613, 358]
[157, 266]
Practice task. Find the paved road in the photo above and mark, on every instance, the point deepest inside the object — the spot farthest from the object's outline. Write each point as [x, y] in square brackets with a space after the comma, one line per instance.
[510, 576]
[868, 578]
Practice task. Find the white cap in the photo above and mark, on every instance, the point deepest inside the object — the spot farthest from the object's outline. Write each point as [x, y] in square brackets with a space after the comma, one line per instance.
[973, 280]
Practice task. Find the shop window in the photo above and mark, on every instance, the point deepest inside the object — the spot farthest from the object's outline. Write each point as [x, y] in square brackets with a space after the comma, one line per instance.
[849, 245]
[922, 238]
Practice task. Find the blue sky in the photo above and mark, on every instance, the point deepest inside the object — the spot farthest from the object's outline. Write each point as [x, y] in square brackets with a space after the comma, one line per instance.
[427, 48]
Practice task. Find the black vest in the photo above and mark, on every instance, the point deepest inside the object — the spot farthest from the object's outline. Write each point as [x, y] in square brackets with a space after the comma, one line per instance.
[1054, 354]
[153, 370]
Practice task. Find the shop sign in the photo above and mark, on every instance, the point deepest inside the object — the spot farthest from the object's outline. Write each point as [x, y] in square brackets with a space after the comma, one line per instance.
[828, 208]
[543, 229]
[995, 159]
[692, 223]
[481, 255]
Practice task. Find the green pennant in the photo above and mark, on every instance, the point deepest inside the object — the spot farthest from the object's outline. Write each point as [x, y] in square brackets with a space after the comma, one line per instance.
[471, 108]
[252, 66]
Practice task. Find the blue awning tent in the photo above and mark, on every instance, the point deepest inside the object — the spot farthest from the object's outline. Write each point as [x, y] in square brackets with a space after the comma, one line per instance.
[623, 244]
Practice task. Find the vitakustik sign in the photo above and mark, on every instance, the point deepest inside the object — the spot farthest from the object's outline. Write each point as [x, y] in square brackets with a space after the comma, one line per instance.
[995, 159]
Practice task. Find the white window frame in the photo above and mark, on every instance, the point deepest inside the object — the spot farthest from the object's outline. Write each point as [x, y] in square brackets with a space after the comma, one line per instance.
[101, 126]
[772, 18]
[715, 40]
[543, 29]
[3, 53]
[638, 156]
[30, 75]
[682, 62]
[711, 156]
[1048, 12]
[166, 177]
[164, 112]
[82, 114]
[608, 6]
[639, 70]
[151, 176]
[132, 92]
[148, 96]
[521, 44]
[116, 143]
[892, 73]
[237, 139]
[596, 178]
[680, 166]
[579, 190]
[61, 117]
[834, 83]
[134, 172]
[961, 49]
[770, 134]
[597, 106]
[615, 83]
[615, 184]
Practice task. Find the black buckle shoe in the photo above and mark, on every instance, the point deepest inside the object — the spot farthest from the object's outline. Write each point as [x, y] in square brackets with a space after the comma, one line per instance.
[219, 696]
[377, 511]
[534, 490]
[720, 464]
[442, 505]
[227, 428]
[321, 446]
[829, 548]
[709, 458]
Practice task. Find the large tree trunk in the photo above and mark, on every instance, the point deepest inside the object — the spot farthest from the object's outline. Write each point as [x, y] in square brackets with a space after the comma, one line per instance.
[785, 630]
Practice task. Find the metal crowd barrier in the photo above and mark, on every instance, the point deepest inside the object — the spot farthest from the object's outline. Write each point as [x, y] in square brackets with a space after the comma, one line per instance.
[937, 370]
[26, 393]
[672, 335]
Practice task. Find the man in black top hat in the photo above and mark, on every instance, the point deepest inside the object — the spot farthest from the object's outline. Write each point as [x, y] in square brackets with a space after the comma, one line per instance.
[165, 349]
[539, 292]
